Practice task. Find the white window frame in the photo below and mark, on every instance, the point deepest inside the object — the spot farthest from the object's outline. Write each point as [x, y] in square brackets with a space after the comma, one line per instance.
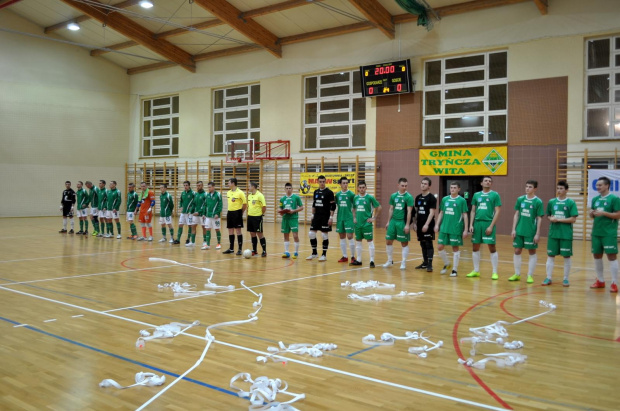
[151, 119]
[444, 87]
[613, 107]
[244, 133]
[351, 96]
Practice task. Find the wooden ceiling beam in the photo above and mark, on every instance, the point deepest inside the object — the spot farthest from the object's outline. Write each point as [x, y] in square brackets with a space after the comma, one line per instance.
[84, 17]
[150, 67]
[320, 34]
[246, 26]
[542, 5]
[226, 52]
[137, 33]
[7, 3]
[377, 14]
[274, 8]
[459, 8]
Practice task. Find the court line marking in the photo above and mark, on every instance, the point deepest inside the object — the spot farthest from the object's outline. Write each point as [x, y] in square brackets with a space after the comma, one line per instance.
[334, 370]
[49, 321]
[76, 255]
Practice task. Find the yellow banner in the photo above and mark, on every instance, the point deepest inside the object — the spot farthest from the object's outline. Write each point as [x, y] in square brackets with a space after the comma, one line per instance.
[308, 182]
[473, 161]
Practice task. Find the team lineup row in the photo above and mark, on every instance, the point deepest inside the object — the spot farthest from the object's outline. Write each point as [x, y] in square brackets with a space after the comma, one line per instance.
[356, 215]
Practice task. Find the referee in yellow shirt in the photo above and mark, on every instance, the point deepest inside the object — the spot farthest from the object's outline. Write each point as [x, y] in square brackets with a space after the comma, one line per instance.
[256, 210]
[234, 219]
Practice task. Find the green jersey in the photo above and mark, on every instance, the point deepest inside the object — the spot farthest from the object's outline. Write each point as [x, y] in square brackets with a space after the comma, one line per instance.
[561, 209]
[364, 206]
[200, 200]
[485, 205]
[452, 220]
[400, 202]
[186, 203]
[82, 199]
[92, 197]
[213, 204]
[344, 201]
[113, 198]
[166, 205]
[529, 211]
[605, 226]
[132, 201]
[100, 193]
[290, 203]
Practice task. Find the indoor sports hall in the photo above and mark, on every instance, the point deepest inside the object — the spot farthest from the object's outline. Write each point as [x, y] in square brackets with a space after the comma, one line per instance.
[285, 91]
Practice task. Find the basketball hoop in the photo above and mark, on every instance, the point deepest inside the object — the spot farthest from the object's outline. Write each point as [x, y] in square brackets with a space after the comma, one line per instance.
[240, 151]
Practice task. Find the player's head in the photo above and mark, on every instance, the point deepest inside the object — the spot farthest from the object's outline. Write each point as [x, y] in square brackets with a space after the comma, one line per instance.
[199, 185]
[112, 184]
[163, 187]
[253, 187]
[288, 187]
[402, 184]
[186, 185]
[68, 184]
[561, 188]
[531, 186]
[131, 187]
[455, 187]
[232, 183]
[101, 183]
[602, 185]
[344, 183]
[211, 186]
[89, 184]
[361, 187]
[143, 186]
[80, 185]
[487, 182]
[321, 181]
[425, 184]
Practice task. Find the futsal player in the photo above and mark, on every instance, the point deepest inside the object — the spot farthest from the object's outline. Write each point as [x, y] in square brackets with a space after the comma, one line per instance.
[367, 209]
[425, 208]
[290, 207]
[186, 207]
[323, 207]
[82, 206]
[452, 228]
[237, 205]
[67, 202]
[146, 204]
[166, 205]
[132, 205]
[345, 218]
[397, 228]
[212, 212]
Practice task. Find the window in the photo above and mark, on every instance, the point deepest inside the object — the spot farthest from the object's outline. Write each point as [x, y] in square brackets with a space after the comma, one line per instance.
[602, 116]
[160, 127]
[236, 115]
[335, 112]
[466, 99]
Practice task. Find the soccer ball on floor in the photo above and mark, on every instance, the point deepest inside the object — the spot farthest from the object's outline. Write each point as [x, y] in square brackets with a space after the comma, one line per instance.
[247, 253]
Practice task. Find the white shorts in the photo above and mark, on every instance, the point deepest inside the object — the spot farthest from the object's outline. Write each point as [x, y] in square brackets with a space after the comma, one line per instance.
[94, 211]
[210, 222]
[111, 215]
[102, 214]
[165, 220]
[82, 213]
[186, 219]
[129, 216]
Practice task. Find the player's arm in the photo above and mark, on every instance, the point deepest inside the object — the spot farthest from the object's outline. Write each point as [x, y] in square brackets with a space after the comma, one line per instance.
[332, 209]
[489, 229]
[118, 201]
[73, 198]
[375, 214]
[538, 224]
[390, 212]
[515, 220]
[244, 205]
[465, 218]
[473, 217]
[431, 215]
[438, 222]
[300, 206]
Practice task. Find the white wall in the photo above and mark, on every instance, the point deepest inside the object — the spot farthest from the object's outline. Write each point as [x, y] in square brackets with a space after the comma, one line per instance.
[63, 116]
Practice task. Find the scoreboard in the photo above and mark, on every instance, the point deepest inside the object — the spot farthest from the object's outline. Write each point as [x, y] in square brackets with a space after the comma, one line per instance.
[386, 78]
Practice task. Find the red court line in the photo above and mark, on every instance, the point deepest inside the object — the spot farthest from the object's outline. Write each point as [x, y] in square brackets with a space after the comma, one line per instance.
[502, 305]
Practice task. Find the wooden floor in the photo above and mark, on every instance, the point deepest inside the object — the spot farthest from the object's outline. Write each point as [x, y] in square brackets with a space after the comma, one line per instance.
[84, 301]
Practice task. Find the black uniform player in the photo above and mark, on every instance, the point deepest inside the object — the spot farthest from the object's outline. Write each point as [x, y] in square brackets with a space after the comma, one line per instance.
[66, 205]
[424, 224]
[323, 207]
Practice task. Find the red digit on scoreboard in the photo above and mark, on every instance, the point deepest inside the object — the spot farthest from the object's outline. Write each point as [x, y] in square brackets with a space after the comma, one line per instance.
[399, 87]
[370, 90]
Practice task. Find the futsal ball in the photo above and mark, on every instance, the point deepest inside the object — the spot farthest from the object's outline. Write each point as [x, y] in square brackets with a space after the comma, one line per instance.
[247, 253]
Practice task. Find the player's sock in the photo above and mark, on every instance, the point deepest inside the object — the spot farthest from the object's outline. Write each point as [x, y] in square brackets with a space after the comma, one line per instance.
[263, 244]
[171, 232]
[389, 250]
[494, 261]
[358, 251]
[531, 265]
[549, 266]
[180, 233]
[150, 231]
[143, 230]
[444, 257]
[86, 225]
[430, 251]
[240, 240]
[132, 227]
[110, 228]
[64, 223]
[81, 225]
[405, 253]
[286, 246]
[352, 247]
[208, 237]
[314, 243]
[475, 256]
[218, 234]
[163, 231]
[343, 246]
[423, 248]
[96, 225]
[598, 269]
[613, 266]
[254, 243]
[118, 227]
[371, 250]
[567, 264]
[516, 260]
[231, 238]
[71, 220]
[296, 247]
[325, 246]
[204, 235]
[455, 260]
[193, 238]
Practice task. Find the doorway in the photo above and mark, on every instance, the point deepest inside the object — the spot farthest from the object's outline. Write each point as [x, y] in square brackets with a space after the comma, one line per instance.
[469, 186]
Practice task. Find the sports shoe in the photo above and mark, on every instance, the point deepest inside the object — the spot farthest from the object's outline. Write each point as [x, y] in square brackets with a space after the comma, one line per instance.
[263, 254]
[403, 265]
[422, 266]
[229, 251]
[495, 276]
[239, 252]
[372, 264]
[598, 284]
[429, 269]
[530, 279]
[514, 277]
[163, 240]
[141, 239]
[217, 247]
[63, 231]
[473, 274]
[295, 256]
[149, 239]
[445, 268]
[205, 247]
[547, 281]
[189, 244]
[176, 242]
[453, 273]
[254, 253]
[108, 235]
[71, 231]
[80, 232]
[613, 288]
[312, 256]
[343, 260]
[322, 258]
[355, 262]
[286, 255]
[565, 283]
[187, 241]
[118, 236]
[171, 241]
[95, 233]
[100, 235]
[85, 233]
[130, 237]
[389, 263]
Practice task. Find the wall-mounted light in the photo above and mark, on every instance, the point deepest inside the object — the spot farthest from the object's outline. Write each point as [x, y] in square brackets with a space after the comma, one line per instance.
[146, 4]
[73, 26]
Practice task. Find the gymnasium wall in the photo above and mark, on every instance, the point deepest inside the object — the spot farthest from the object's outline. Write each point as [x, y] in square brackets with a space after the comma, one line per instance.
[63, 116]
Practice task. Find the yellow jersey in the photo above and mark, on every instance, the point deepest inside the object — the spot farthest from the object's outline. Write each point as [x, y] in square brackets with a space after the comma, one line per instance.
[236, 199]
[256, 202]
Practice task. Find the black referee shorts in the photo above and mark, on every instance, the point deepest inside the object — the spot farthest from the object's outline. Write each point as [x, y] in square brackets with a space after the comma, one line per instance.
[255, 223]
[234, 219]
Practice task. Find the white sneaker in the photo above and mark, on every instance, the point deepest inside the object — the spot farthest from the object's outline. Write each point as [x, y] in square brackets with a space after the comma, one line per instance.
[453, 273]
[205, 247]
[388, 264]
[171, 241]
[322, 258]
[149, 239]
[204, 243]
[403, 266]
[189, 245]
[163, 240]
[119, 236]
[445, 268]
[217, 247]
[107, 235]
[141, 239]
[312, 256]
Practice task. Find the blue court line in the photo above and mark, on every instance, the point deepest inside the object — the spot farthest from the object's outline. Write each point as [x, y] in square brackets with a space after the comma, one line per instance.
[119, 357]
[361, 351]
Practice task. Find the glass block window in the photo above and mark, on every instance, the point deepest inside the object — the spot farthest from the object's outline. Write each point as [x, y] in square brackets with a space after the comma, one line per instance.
[236, 115]
[602, 88]
[160, 127]
[466, 99]
[335, 112]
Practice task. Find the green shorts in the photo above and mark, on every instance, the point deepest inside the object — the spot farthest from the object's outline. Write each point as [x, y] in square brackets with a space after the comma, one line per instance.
[479, 236]
[396, 231]
[606, 245]
[290, 224]
[524, 242]
[345, 226]
[363, 231]
[450, 239]
[556, 246]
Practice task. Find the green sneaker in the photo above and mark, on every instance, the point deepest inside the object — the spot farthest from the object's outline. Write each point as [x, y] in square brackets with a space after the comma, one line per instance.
[565, 283]
[473, 274]
[515, 277]
[547, 281]
[530, 279]
[495, 276]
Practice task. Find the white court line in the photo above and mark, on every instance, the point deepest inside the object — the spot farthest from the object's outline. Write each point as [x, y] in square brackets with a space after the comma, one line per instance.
[76, 255]
[76, 316]
[20, 325]
[49, 321]
[349, 374]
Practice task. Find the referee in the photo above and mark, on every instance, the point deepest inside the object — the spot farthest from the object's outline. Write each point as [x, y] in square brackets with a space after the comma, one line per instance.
[234, 219]
[256, 210]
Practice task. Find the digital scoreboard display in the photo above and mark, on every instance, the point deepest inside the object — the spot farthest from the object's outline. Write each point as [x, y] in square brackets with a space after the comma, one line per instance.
[386, 78]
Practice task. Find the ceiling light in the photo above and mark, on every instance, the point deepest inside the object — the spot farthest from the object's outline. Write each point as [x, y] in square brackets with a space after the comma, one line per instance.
[73, 26]
[146, 4]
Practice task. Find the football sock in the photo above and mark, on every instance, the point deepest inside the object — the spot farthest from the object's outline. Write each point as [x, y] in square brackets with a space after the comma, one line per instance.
[516, 260]
[531, 265]
[475, 256]
[263, 244]
[494, 261]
